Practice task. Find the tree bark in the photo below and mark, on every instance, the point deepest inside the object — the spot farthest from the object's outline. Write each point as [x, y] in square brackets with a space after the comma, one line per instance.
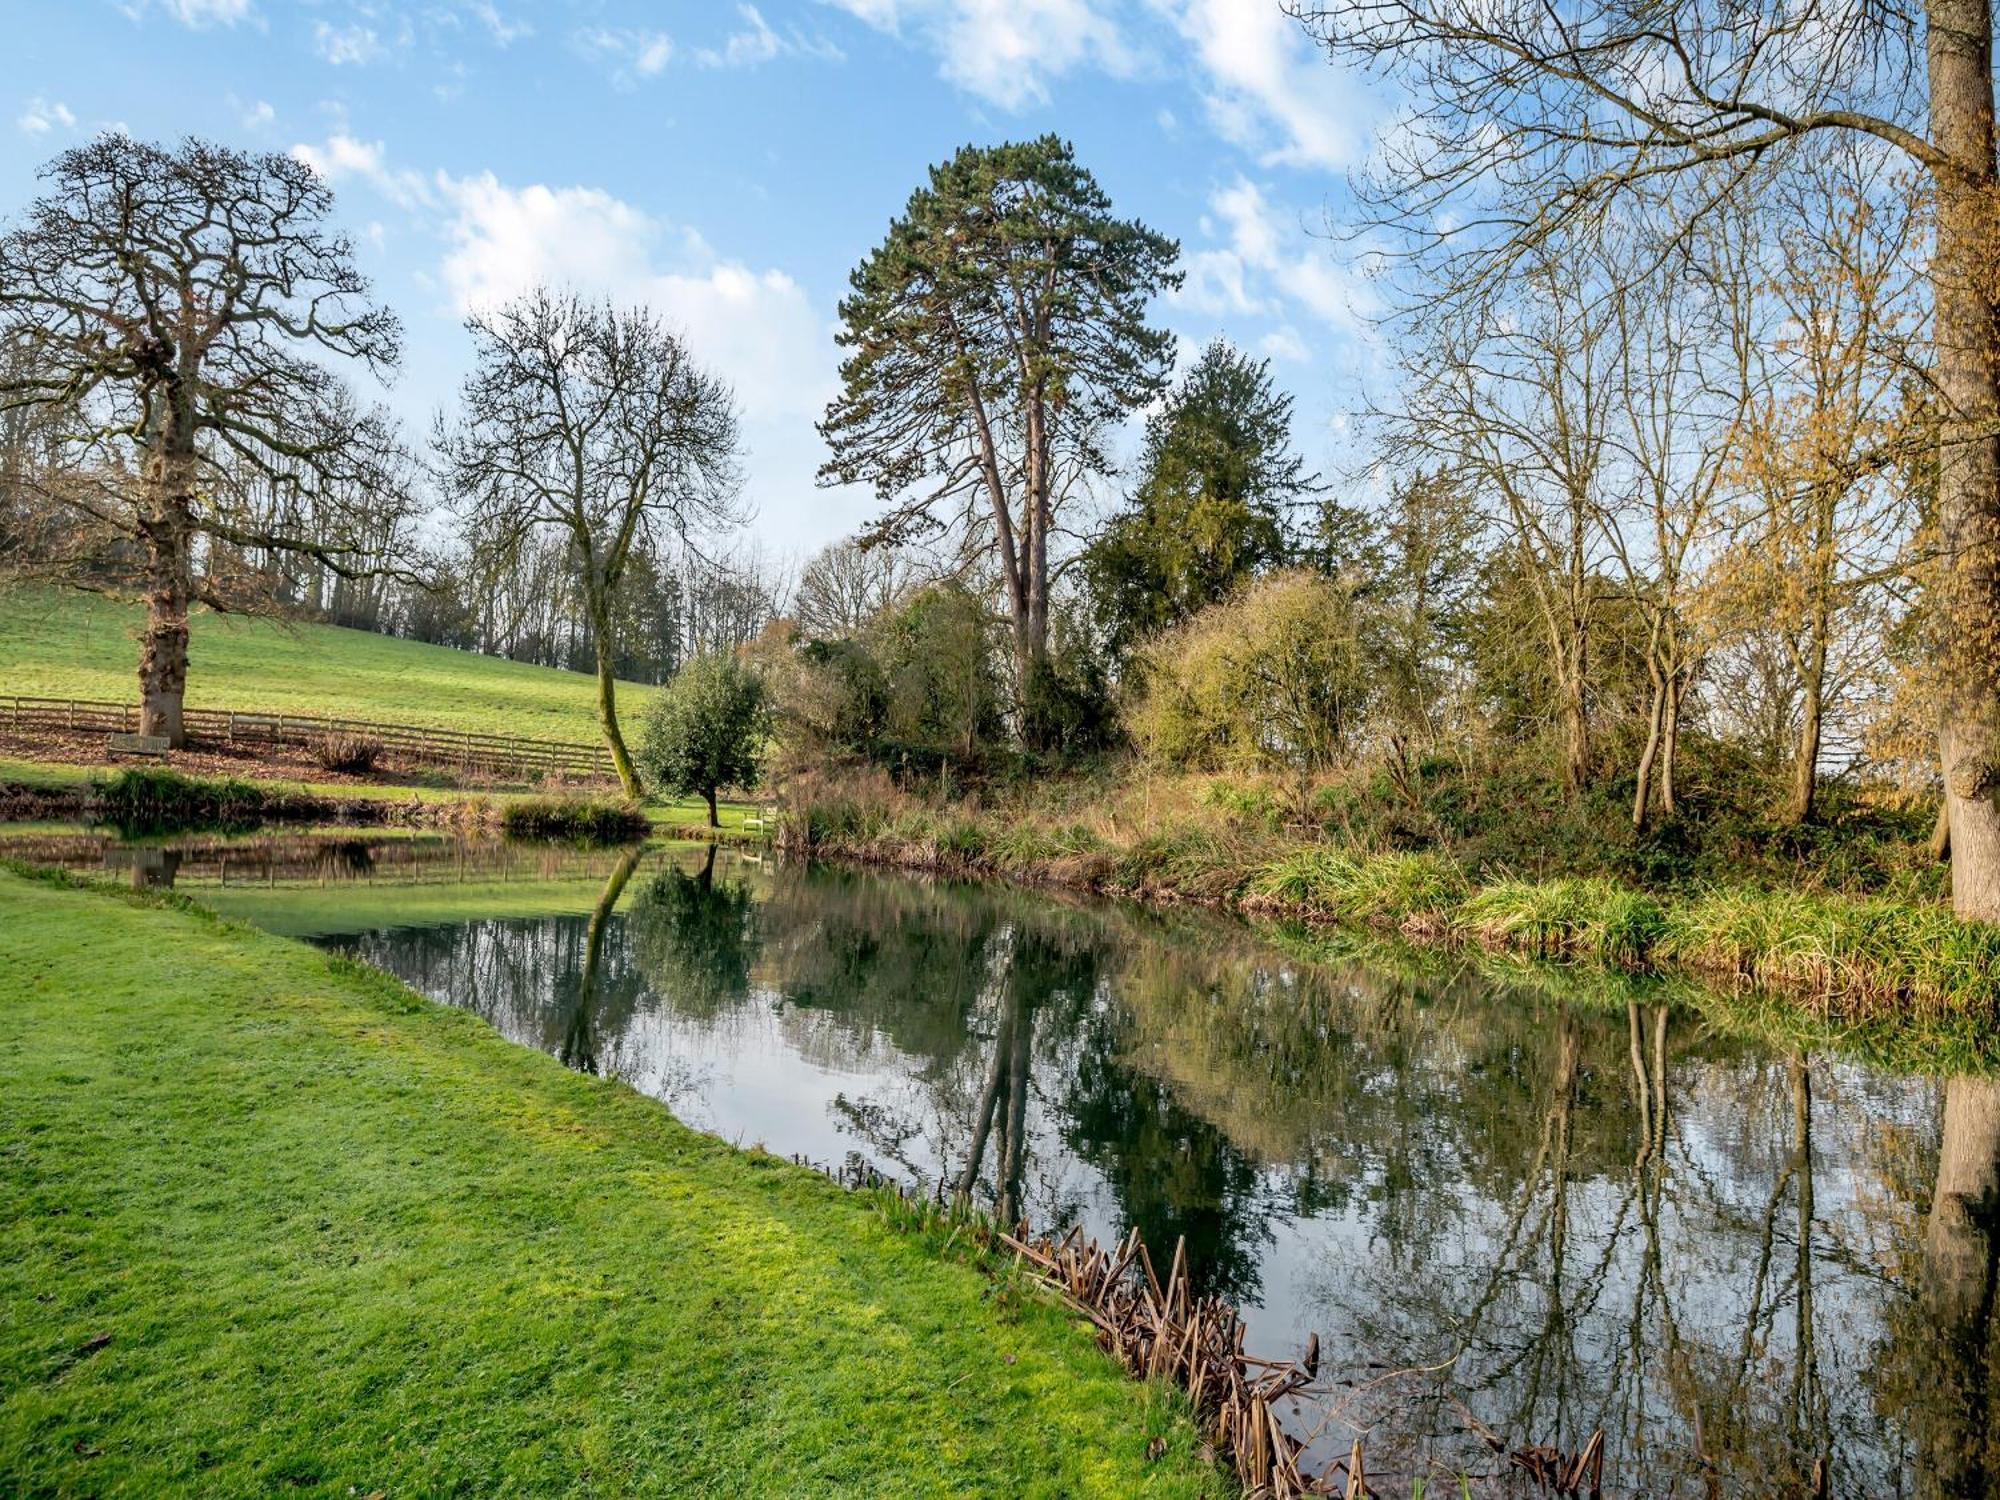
[1959, 41]
[607, 697]
[1812, 730]
[169, 581]
[1670, 750]
[713, 820]
[1576, 735]
[1642, 794]
[1960, 1260]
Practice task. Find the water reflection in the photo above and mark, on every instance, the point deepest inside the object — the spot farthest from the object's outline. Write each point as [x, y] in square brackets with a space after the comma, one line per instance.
[1510, 1206]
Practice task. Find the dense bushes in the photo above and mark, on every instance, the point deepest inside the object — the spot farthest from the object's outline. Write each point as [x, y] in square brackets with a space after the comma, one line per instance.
[1849, 956]
[143, 799]
[590, 819]
[1272, 677]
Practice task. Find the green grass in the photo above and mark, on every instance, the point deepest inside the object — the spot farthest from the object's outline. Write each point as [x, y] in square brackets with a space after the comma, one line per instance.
[272, 1224]
[61, 644]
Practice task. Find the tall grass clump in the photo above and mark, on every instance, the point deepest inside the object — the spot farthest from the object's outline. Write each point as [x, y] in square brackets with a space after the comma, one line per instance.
[146, 799]
[1839, 949]
[1593, 919]
[1403, 889]
[597, 820]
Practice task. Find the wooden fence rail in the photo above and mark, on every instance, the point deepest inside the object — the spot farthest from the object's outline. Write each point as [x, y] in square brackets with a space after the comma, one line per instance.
[495, 754]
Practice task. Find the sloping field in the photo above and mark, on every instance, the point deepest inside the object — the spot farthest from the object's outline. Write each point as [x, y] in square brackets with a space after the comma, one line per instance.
[61, 644]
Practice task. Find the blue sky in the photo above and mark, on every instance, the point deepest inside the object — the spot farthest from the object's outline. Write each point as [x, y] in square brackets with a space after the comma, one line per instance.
[729, 163]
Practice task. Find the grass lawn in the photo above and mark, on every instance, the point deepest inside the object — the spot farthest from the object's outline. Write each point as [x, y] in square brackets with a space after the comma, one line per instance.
[58, 643]
[272, 1224]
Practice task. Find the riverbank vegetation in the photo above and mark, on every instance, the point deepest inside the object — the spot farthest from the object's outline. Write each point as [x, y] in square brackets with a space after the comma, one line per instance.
[590, 819]
[1845, 953]
[446, 1262]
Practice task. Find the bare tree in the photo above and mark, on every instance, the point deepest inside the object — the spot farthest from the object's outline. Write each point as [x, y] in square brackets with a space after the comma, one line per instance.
[845, 585]
[164, 305]
[1517, 401]
[1531, 120]
[1679, 401]
[1826, 524]
[595, 423]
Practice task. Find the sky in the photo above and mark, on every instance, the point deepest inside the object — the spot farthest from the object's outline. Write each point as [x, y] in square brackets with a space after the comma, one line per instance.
[727, 164]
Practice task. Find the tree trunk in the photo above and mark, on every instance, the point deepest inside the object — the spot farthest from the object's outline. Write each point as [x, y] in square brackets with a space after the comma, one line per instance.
[1670, 749]
[1959, 41]
[163, 651]
[1960, 1260]
[713, 820]
[1805, 764]
[1576, 735]
[607, 698]
[1642, 794]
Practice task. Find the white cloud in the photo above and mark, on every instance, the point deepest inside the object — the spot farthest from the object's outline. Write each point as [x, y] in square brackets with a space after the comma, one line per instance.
[345, 45]
[1006, 51]
[504, 30]
[258, 115]
[630, 54]
[43, 115]
[1284, 345]
[1267, 90]
[757, 44]
[342, 158]
[755, 327]
[199, 13]
[1266, 261]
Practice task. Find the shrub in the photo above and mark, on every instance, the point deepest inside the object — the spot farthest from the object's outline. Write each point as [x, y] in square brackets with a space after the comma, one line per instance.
[142, 799]
[706, 730]
[351, 754]
[1273, 676]
[592, 819]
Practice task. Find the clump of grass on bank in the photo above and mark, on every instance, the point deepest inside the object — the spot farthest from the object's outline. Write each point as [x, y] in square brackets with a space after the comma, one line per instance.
[601, 820]
[1844, 955]
[145, 799]
[274, 1224]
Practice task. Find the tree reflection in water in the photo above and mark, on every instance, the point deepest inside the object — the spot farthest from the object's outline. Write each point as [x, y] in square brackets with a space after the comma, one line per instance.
[1757, 1271]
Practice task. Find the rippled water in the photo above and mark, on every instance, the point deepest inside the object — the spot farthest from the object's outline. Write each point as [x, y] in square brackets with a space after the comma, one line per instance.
[1532, 1204]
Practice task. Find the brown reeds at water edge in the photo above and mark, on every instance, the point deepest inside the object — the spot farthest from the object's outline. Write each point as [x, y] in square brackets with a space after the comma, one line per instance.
[1161, 1330]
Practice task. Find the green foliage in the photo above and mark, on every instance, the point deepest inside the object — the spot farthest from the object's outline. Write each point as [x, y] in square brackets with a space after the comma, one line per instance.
[932, 317]
[586, 819]
[275, 1224]
[146, 799]
[937, 659]
[706, 730]
[1273, 677]
[1215, 481]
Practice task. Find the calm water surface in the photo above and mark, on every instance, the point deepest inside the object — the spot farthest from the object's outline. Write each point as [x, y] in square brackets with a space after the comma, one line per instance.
[1498, 1203]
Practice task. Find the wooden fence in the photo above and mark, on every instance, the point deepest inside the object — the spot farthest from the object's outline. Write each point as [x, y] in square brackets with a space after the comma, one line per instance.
[493, 754]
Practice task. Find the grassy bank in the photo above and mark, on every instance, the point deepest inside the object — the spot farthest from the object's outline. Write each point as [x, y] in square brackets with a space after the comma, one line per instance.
[62, 644]
[269, 1222]
[1844, 957]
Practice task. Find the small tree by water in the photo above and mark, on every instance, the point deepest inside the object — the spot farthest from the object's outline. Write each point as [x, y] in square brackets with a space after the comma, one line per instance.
[707, 729]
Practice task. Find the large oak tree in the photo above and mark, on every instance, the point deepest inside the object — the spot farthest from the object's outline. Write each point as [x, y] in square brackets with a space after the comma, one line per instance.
[164, 309]
[993, 338]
